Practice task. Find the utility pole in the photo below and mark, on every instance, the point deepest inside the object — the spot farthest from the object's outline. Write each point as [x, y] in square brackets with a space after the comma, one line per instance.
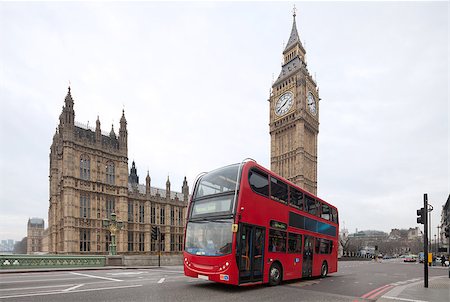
[156, 236]
[159, 244]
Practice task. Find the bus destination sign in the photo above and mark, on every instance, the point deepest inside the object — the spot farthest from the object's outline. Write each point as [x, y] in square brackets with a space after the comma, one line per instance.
[278, 225]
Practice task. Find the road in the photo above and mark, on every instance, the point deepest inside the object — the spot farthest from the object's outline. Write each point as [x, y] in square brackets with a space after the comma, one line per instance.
[355, 281]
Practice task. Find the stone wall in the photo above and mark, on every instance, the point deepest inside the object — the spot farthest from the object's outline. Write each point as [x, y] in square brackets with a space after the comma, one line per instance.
[152, 260]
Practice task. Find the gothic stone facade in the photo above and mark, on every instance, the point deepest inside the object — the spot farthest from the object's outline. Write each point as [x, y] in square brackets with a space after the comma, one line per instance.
[89, 180]
[294, 118]
[35, 235]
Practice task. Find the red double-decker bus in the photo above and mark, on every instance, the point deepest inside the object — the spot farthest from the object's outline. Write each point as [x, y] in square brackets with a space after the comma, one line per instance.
[247, 225]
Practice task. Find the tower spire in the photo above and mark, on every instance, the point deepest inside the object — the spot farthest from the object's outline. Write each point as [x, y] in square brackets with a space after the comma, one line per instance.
[294, 37]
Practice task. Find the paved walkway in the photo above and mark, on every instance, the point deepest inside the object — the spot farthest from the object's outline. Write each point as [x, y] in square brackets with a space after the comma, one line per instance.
[438, 291]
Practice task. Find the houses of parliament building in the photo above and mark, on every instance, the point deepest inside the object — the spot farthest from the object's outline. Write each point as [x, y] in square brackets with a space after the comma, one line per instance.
[89, 180]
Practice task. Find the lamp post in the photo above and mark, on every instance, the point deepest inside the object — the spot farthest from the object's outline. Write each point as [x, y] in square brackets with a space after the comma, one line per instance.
[113, 225]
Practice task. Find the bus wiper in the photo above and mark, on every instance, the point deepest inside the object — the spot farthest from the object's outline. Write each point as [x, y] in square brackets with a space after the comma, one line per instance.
[221, 220]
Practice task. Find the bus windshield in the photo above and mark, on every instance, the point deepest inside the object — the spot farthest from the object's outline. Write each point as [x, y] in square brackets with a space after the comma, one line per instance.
[209, 238]
[218, 181]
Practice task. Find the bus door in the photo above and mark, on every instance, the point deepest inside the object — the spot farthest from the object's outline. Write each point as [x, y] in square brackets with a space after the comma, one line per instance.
[250, 253]
[307, 256]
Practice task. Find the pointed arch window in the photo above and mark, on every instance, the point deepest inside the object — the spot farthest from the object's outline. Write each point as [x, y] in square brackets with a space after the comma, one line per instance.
[110, 173]
[85, 206]
[85, 167]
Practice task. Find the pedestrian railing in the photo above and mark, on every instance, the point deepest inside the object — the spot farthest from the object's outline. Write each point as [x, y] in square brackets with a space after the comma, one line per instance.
[49, 261]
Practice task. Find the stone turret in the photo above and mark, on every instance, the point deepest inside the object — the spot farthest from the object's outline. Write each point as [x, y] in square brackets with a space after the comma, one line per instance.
[123, 133]
[168, 188]
[147, 184]
[185, 190]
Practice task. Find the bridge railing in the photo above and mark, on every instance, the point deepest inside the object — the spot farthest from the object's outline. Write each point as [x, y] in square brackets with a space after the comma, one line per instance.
[49, 261]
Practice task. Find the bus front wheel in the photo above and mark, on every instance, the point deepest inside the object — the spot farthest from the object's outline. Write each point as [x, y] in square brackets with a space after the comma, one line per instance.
[324, 270]
[274, 274]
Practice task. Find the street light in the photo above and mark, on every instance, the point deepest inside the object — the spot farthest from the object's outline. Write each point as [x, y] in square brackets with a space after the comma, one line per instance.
[113, 225]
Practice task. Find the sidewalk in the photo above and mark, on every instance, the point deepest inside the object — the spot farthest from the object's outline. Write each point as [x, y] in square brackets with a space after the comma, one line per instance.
[438, 291]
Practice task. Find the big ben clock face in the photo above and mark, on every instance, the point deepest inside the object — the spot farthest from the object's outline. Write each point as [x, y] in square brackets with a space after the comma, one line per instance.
[284, 103]
[311, 103]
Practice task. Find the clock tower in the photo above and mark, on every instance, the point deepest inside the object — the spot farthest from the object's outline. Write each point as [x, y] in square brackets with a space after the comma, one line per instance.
[294, 118]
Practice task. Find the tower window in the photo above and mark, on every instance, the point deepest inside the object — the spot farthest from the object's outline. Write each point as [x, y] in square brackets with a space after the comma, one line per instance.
[162, 215]
[130, 241]
[85, 167]
[172, 215]
[85, 206]
[141, 212]
[130, 211]
[141, 241]
[110, 206]
[110, 174]
[85, 240]
[152, 214]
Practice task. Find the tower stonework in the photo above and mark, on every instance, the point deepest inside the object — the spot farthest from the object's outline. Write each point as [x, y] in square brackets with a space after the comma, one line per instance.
[294, 118]
[89, 180]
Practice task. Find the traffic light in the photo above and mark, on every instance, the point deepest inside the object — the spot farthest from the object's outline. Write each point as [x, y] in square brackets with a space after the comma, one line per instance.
[421, 216]
[154, 233]
[447, 229]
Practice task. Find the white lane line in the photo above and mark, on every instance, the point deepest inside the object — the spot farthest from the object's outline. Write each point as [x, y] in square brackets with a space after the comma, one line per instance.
[127, 273]
[34, 287]
[37, 280]
[161, 280]
[98, 277]
[402, 299]
[70, 292]
[72, 288]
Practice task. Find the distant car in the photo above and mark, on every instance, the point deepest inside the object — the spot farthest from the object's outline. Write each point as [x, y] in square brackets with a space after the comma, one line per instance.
[409, 259]
[438, 260]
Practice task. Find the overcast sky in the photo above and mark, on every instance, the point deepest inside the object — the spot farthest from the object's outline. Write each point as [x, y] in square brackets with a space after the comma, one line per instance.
[194, 80]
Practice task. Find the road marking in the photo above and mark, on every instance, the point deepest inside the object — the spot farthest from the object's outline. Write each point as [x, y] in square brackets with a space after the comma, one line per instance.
[34, 287]
[161, 280]
[375, 291]
[68, 292]
[164, 271]
[402, 299]
[37, 280]
[380, 292]
[72, 288]
[126, 273]
[98, 277]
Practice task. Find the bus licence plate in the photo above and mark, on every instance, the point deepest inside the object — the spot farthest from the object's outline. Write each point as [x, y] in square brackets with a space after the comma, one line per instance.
[203, 277]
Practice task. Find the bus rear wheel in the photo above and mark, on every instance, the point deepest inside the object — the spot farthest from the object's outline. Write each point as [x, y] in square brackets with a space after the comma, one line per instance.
[324, 270]
[274, 274]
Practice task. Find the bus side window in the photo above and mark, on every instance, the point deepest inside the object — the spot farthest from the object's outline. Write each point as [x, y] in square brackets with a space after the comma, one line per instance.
[323, 246]
[310, 205]
[278, 190]
[317, 245]
[335, 215]
[294, 243]
[326, 212]
[277, 241]
[259, 182]
[296, 199]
